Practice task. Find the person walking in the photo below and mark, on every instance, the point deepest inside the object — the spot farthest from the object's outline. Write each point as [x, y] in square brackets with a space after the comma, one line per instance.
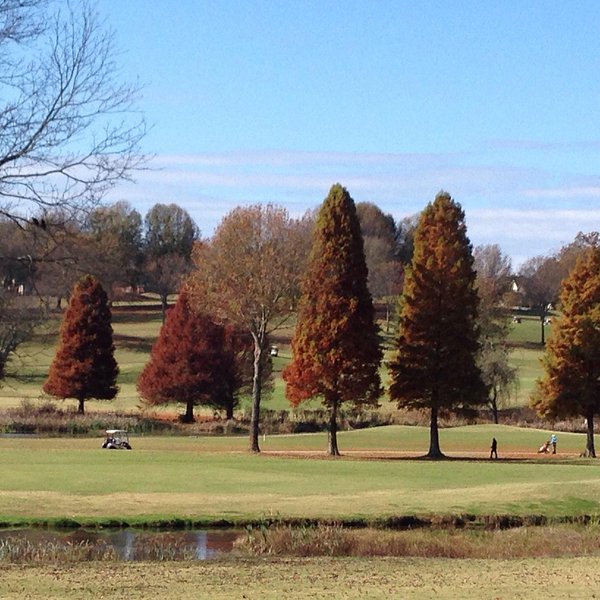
[553, 440]
[494, 449]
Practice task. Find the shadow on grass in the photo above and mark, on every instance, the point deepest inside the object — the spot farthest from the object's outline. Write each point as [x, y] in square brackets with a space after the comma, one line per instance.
[134, 343]
[530, 460]
[351, 455]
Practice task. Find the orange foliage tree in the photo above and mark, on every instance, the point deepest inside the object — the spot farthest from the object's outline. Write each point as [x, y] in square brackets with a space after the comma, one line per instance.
[336, 352]
[571, 382]
[247, 275]
[435, 366]
[84, 366]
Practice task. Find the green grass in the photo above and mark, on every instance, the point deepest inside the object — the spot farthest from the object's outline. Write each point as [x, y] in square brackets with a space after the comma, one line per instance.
[209, 478]
[200, 478]
[528, 331]
[528, 363]
[136, 330]
[526, 355]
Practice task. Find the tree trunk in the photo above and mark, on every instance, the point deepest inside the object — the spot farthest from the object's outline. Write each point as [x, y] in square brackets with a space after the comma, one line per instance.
[332, 447]
[387, 316]
[434, 435]
[259, 342]
[80, 408]
[189, 412]
[163, 306]
[590, 450]
[229, 411]
[494, 406]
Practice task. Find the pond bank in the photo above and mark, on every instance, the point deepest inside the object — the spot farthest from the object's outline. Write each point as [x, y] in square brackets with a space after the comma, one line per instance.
[393, 522]
[42, 545]
[36, 546]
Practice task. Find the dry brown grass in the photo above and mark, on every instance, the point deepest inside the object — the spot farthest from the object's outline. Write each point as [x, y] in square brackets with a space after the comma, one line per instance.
[333, 540]
[324, 578]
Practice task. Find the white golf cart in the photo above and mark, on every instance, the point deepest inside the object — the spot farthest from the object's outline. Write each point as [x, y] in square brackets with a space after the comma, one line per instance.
[116, 439]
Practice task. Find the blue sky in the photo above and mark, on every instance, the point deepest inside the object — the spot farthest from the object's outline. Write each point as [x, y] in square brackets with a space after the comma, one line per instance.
[274, 101]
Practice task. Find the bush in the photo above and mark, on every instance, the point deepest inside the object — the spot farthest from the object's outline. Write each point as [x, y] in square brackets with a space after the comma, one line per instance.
[47, 418]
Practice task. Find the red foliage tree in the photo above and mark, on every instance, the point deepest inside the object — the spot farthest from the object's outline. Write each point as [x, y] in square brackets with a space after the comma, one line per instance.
[193, 361]
[336, 353]
[84, 366]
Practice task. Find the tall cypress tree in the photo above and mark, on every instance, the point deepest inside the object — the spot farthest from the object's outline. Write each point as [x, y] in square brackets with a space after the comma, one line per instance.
[571, 382]
[435, 366]
[336, 352]
[84, 366]
[191, 362]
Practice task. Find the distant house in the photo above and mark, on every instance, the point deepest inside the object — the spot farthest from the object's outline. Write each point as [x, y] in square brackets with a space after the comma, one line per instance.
[517, 293]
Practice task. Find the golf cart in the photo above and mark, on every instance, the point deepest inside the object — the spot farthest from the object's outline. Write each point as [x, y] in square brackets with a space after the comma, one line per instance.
[116, 439]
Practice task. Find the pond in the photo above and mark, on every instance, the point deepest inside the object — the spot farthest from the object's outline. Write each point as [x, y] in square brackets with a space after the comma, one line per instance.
[123, 544]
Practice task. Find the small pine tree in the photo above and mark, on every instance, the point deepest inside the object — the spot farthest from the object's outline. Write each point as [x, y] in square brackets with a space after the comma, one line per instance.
[84, 366]
[435, 367]
[191, 362]
[336, 352]
[571, 382]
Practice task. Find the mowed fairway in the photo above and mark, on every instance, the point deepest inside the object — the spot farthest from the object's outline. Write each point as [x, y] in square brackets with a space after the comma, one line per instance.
[212, 478]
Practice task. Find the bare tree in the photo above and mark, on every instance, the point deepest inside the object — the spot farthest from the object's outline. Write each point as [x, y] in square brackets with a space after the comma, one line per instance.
[69, 130]
[405, 238]
[541, 276]
[18, 319]
[164, 275]
[494, 277]
[380, 238]
[114, 237]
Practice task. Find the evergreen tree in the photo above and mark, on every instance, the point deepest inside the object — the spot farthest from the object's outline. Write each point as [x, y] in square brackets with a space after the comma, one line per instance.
[435, 366]
[84, 366]
[336, 353]
[192, 362]
[571, 383]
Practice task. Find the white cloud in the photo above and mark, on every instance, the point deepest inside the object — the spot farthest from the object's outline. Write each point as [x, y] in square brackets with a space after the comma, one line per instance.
[565, 192]
[523, 233]
[513, 206]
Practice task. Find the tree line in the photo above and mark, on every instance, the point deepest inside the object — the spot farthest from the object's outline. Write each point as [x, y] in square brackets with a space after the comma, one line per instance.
[49, 253]
[70, 131]
[261, 268]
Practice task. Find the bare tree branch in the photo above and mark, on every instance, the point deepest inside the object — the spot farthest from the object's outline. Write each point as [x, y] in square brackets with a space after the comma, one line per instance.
[69, 130]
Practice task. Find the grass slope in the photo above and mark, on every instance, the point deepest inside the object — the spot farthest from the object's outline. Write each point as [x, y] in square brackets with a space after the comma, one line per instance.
[136, 328]
[212, 478]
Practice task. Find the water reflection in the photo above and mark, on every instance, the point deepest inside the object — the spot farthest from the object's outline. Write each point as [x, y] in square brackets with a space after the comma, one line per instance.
[132, 544]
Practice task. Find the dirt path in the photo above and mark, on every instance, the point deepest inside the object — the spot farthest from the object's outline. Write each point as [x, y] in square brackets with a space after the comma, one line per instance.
[408, 455]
